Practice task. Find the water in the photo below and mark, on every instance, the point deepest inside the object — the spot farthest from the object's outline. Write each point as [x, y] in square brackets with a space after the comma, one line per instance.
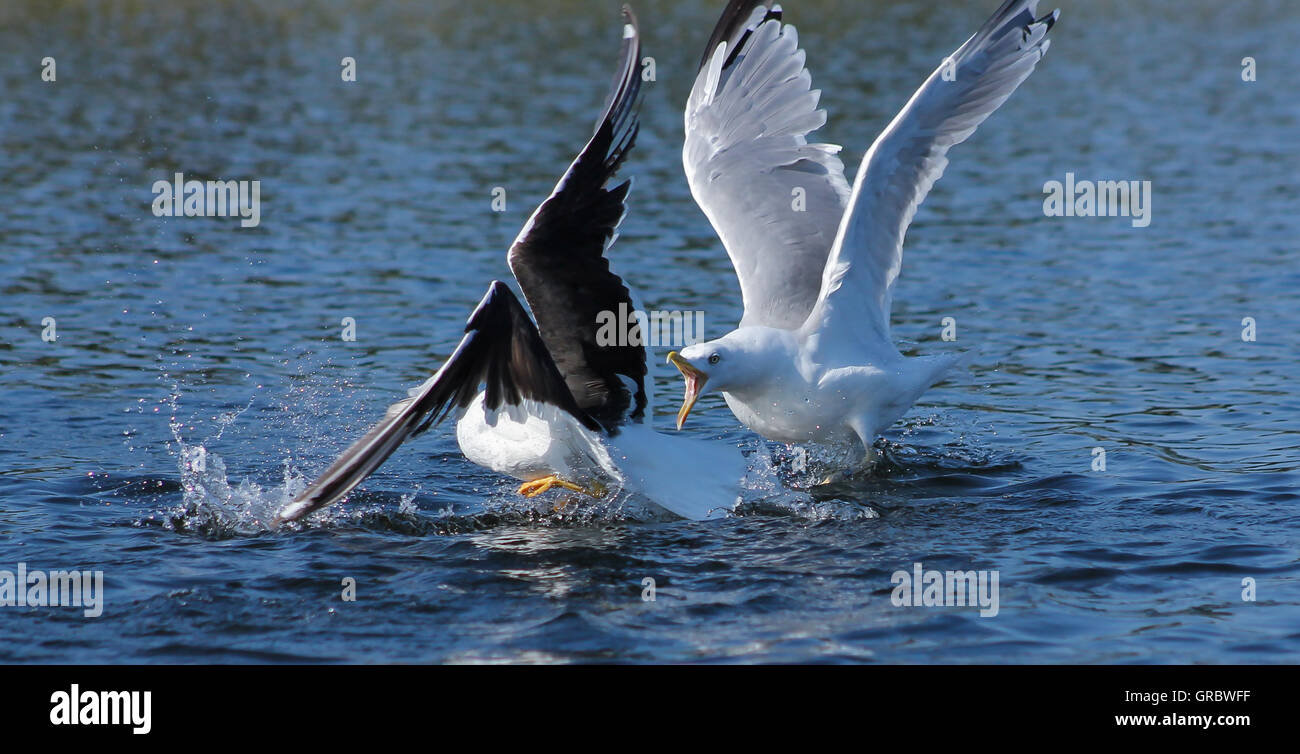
[181, 339]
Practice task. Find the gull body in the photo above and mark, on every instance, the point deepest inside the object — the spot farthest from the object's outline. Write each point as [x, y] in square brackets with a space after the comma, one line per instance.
[532, 442]
[812, 359]
[781, 391]
[548, 402]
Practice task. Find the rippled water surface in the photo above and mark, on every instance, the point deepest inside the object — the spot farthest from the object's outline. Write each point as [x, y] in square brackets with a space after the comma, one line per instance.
[186, 338]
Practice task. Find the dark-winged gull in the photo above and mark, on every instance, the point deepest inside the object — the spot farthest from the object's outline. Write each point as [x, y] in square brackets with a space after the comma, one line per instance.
[550, 403]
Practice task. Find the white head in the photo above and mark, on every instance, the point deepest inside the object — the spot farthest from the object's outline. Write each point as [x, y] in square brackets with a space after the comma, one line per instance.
[737, 360]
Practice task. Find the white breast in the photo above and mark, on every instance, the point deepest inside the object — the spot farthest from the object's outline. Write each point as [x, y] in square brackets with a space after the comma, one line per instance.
[531, 441]
[688, 477]
[804, 416]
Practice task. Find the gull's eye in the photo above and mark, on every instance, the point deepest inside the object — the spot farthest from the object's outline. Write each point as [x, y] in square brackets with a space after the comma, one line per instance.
[714, 359]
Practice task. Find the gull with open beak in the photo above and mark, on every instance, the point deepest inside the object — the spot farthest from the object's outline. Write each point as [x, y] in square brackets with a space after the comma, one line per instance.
[812, 359]
[695, 379]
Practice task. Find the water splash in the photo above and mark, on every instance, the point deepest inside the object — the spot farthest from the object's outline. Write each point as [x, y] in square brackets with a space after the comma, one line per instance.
[778, 484]
[210, 504]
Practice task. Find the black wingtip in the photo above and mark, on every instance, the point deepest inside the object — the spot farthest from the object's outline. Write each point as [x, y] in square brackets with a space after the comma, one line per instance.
[1013, 14]
[496, 289]
[617, 126]
[732, 22]
[624, 93]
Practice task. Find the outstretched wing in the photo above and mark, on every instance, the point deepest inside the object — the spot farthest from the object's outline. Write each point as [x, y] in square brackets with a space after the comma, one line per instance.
[774, 199]
[906, 160]
[501, 350]
[559, 259]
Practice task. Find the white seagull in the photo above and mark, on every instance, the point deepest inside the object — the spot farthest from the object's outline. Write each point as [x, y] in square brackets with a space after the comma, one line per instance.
[812, 359]
[561, 408]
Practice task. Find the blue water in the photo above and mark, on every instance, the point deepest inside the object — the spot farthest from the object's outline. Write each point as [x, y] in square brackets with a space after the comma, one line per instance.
[181, 337]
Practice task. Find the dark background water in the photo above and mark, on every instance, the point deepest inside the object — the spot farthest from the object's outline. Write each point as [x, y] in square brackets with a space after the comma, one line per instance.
[181, 334]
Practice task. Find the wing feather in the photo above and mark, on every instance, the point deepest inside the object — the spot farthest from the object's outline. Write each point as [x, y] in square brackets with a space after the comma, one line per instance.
[559, 258]
[905, 161]
[501, 350]
[774, 199]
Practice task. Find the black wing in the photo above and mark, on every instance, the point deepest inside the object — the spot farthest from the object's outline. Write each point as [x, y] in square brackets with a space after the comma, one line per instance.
[501, 350]
[559, 259]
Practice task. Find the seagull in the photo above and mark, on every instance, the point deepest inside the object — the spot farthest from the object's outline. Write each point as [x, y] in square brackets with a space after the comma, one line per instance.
[812, 360]
[559, 408]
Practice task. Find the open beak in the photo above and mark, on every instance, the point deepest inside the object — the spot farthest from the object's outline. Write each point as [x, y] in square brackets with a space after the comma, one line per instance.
[695, 380]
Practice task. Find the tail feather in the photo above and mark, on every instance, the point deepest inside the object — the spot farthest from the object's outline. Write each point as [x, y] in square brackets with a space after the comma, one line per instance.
[691, 478]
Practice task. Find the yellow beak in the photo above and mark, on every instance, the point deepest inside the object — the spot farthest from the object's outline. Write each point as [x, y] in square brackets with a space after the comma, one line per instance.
[695, 379]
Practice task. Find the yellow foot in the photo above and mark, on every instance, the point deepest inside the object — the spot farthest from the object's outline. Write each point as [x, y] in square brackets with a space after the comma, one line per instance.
[538, 486]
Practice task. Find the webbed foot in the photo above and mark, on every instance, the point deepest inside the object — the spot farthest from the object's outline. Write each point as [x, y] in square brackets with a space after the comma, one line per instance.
[538, 486]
